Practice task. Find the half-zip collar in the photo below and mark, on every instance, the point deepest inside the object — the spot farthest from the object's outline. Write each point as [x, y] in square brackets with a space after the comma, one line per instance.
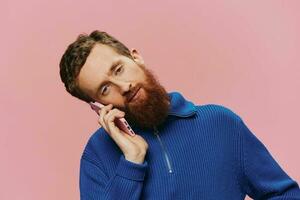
[164, 150]
[179, 106]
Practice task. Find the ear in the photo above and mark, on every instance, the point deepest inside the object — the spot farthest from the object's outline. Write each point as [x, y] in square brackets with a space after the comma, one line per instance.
[136, 56]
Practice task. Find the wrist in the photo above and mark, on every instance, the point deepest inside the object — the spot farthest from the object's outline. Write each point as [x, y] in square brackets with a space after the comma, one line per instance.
[136, 159]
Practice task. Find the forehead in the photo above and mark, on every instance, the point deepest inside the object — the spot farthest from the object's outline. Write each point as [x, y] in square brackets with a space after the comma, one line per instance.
[96, 66]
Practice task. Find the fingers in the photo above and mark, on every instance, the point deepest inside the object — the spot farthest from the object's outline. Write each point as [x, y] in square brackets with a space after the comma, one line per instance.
[111, 116]
[102, 113]
[107, 116]
[130, 146]
[117, 135]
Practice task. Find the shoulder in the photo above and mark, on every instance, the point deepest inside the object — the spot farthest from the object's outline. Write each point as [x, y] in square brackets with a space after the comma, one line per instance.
[95, 144]
[217, 112]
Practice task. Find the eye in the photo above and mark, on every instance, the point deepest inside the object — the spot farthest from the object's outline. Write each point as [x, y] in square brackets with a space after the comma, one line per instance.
[119, 70]
[104, 89]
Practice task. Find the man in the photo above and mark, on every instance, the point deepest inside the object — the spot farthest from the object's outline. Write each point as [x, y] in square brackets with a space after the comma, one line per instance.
[180, 150]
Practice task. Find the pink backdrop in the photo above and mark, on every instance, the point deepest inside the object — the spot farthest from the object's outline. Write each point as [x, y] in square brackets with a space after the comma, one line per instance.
[241, 54]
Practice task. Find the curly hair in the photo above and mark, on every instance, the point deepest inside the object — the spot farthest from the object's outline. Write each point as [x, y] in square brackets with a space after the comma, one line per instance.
[76, 54]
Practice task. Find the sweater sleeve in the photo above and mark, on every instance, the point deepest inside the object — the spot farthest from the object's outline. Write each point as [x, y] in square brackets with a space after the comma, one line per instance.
[263, 177]
[126, 183]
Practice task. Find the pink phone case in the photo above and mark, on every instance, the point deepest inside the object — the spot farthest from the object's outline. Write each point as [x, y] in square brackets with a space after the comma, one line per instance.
[121, 123]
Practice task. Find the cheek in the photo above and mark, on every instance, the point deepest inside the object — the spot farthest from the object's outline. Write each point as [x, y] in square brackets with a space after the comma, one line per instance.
[133, 74]
[139, 75]
[114, 98]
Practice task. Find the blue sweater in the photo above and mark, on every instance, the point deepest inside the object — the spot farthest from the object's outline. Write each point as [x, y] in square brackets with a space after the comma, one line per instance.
[201, 152]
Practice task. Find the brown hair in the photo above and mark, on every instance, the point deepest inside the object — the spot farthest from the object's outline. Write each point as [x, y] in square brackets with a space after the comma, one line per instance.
[76, 54]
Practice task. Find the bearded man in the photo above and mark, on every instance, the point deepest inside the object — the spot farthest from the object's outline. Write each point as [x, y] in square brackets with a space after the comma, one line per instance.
[180, 150]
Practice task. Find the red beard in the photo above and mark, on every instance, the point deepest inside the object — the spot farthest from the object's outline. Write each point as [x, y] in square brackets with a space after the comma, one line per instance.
[151, 108]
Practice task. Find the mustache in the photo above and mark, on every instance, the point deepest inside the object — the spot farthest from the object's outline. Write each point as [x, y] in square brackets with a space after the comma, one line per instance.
[128, 95]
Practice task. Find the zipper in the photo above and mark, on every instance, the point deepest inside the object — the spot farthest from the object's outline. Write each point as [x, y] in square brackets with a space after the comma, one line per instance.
[170, 169]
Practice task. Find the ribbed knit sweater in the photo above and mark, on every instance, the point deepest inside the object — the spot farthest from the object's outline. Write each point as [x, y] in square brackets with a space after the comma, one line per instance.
[201, 152]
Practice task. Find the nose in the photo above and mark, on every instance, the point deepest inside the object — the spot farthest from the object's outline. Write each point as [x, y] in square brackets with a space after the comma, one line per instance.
[124, 86]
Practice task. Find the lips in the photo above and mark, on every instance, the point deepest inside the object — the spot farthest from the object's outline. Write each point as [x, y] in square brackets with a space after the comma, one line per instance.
[133, 94]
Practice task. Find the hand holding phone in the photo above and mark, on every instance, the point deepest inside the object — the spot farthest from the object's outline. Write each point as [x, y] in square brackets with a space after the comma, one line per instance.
[133, 148]
[121, 123]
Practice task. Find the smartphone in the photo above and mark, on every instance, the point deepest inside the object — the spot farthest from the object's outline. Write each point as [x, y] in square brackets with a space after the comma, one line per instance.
[121, 123]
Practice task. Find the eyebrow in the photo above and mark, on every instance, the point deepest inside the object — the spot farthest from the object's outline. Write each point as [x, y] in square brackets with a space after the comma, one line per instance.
[111, 69]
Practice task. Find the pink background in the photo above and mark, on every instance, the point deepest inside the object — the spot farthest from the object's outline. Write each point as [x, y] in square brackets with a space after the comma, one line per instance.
[241, 54]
